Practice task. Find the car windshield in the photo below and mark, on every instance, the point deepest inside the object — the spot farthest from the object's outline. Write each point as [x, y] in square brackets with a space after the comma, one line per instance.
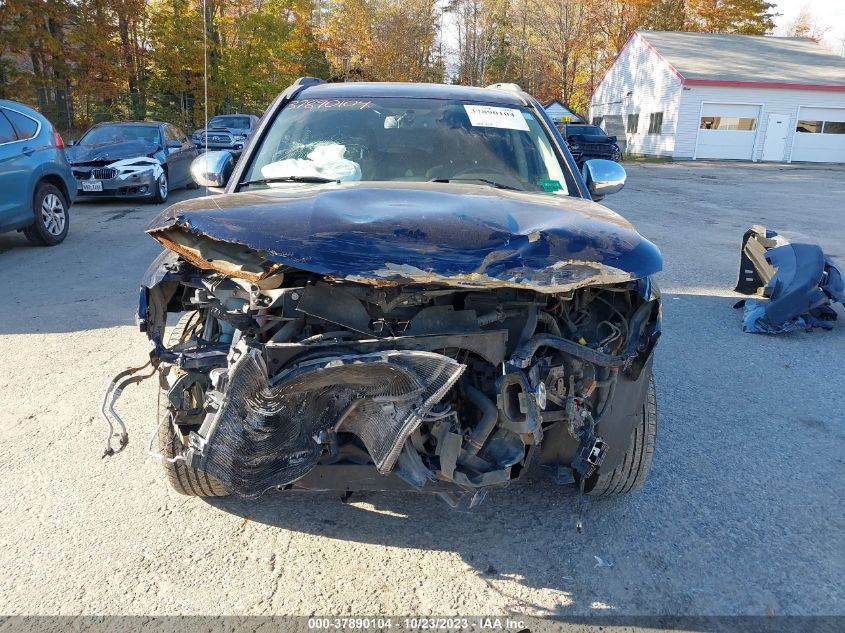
[121, 133]
[406, 139]
[241, 122]
[590, 130]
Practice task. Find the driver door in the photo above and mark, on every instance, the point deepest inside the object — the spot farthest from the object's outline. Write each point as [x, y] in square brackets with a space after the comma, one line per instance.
[179, 157]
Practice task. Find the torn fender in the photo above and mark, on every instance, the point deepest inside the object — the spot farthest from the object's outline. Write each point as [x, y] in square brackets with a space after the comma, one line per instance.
[390, 233]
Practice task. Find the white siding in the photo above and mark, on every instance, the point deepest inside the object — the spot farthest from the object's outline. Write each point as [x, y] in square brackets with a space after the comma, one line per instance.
[556, 111]
[653, 87]
[771, 101]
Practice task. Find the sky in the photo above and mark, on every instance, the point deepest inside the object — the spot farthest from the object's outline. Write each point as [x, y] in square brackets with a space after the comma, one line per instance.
[830, 13]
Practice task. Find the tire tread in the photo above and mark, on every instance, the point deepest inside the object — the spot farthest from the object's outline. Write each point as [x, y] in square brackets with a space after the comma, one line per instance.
[636, 464]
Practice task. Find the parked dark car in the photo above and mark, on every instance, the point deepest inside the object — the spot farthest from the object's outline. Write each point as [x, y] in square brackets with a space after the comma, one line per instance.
[590, 141]
[36, 183]
[403, 286]
[132, 159]
[227, 131]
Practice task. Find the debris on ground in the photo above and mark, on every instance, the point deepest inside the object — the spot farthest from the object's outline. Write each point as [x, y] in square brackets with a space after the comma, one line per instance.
[797, 284]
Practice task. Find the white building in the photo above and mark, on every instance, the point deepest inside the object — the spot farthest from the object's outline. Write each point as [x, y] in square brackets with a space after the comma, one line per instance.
[559, 113]
[707, 95]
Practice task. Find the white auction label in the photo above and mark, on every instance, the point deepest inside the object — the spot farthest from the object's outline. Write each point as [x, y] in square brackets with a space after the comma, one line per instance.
[491, 116]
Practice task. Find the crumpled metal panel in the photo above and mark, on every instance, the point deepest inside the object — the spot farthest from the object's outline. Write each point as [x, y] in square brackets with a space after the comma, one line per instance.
[390, 233]
[383, 424]
[264, 436]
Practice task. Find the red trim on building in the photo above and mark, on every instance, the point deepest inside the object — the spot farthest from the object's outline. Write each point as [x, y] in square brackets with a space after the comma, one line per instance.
[622, 50]
[760, 84]
[659, 56]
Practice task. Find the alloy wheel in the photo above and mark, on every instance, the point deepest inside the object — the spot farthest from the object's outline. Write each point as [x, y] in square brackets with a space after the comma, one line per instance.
[53, 214]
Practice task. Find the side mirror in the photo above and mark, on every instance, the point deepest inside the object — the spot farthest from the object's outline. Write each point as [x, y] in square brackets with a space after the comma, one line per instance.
[213, 169]
[603, 177]
[174, 144]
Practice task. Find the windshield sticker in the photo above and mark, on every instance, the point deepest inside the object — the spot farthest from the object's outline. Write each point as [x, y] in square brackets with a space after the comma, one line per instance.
[492, 116]
[329, 104]
[551, 185]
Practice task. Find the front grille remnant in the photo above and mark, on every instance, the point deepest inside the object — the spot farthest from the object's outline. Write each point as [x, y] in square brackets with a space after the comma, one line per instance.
[104, 173]
[264, 436]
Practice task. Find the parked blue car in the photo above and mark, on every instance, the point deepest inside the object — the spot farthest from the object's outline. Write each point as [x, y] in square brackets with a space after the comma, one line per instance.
[37, 186]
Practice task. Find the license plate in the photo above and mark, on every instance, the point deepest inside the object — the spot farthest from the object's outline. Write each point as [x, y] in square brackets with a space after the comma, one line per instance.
[92, 185]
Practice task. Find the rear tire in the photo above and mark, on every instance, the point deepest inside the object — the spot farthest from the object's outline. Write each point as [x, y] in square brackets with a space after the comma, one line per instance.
[51, 217]
[633, 471]
[182, 478]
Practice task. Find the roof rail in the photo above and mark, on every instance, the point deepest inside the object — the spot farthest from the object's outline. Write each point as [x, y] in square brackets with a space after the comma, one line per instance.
[308, 81]
[506, 87]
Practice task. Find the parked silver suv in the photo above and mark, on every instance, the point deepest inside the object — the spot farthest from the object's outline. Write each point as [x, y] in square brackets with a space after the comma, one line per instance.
[229, 132]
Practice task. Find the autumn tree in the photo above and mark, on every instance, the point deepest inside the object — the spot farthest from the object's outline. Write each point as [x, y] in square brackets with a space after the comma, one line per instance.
[806, 25]
[36, 60]
[383, 40]
[746, 17]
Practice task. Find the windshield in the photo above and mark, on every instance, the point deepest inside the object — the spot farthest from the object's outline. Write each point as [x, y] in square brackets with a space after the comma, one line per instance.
[590, 130]
[241, 122]
[403, 139]
[121, 134]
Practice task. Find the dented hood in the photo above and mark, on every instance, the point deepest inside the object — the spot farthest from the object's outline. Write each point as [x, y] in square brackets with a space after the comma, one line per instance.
[386, 233]
[109, 152]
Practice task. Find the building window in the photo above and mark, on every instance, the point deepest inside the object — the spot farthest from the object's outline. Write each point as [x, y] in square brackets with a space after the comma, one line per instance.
[809, 127]
[731, 123]
[597, 121]
[655, 123]
[633, 123]
[821, 127]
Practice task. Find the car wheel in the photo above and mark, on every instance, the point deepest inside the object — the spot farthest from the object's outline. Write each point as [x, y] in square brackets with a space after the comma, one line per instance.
[632, 472]
[162, 189]
[50, 208]
[182, 478]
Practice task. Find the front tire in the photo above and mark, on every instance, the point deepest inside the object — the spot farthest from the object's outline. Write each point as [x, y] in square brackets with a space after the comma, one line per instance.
[170, 440]
[50, 208]
[633, 471]
[162, 189]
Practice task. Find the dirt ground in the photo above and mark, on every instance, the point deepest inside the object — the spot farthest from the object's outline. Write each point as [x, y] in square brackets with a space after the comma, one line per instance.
[743, 512]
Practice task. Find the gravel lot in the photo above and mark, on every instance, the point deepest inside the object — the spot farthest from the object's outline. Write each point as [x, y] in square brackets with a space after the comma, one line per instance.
[743, 513]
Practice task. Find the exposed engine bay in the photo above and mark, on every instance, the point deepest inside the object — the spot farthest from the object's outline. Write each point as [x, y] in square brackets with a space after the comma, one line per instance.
[301, 380]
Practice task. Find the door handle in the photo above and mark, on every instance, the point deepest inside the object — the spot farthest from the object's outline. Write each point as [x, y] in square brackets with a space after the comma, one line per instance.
[27, 150]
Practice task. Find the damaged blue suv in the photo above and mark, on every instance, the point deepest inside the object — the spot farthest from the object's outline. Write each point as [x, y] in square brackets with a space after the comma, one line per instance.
[402, 287]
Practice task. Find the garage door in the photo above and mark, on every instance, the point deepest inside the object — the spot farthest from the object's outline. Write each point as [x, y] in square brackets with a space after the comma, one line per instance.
[819, 135]
[727, 130]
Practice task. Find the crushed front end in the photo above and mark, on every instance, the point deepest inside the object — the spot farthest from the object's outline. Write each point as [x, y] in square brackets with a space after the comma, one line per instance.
[284, 374]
